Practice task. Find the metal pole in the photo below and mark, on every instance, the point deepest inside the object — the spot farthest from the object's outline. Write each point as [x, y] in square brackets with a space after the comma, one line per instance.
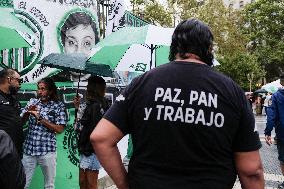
[152, 50]
[77, 92]
[250, 78]
[99, 16]
[103, 20]
[107, 9]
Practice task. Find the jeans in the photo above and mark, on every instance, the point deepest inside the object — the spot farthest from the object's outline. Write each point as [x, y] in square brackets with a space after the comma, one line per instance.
[47, 163]
[89, 162]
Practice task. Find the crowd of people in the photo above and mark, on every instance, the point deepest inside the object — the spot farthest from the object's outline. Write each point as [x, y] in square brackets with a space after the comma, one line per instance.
[190, 126]
[259, 102]
[46, 116]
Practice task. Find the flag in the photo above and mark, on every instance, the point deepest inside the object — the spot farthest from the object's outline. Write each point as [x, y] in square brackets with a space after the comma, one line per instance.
[116, 19]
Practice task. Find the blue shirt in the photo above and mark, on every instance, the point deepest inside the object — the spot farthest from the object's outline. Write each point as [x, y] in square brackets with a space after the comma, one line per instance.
[40, 140]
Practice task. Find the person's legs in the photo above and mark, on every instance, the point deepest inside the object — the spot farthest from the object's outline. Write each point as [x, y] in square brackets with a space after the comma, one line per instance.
[92, 178]
[280, 148]
[82, 179]
[48, 166]
[90, 165]
[29, 163]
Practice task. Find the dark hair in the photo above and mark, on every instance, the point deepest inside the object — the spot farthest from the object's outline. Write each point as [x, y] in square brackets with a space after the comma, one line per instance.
[192, 36]
[96, 89]
[75, 19]
[6, 72]
[51, 87]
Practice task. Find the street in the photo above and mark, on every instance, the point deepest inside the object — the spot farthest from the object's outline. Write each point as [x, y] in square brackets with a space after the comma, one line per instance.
[272, 172]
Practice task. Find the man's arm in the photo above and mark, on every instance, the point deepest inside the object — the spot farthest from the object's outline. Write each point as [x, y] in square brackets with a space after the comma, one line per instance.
[249, 169]
[54, 127]
[104, 139]
[271, 120]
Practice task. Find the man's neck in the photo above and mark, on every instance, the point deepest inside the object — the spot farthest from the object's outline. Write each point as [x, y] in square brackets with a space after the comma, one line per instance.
[190, 58]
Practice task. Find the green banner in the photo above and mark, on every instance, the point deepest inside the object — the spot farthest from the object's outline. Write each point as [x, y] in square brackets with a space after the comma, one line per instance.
[132, 20]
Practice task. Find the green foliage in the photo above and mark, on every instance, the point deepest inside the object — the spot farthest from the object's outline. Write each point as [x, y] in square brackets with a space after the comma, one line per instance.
[231, 38]
[224, 22]
[152, 11]
[137, 5]
[265, 27]
[156, 14]
[239, 66]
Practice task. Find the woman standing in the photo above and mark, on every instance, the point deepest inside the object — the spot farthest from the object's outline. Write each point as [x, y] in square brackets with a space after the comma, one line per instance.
[88, 115]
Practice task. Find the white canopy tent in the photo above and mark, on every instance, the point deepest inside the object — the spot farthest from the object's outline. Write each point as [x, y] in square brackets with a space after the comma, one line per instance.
[273, 86]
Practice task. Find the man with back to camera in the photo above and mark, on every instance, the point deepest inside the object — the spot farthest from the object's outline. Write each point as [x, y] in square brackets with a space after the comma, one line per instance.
[275, 119]
[191, 126]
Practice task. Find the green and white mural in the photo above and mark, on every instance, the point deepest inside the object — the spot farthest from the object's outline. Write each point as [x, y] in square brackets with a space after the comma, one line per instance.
[58, 27]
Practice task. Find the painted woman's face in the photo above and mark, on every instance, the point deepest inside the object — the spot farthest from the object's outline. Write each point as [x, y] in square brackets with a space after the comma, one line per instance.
[79, 39]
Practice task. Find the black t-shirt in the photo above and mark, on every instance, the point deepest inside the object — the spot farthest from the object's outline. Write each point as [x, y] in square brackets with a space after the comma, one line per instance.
[186, 120]
[10, 120]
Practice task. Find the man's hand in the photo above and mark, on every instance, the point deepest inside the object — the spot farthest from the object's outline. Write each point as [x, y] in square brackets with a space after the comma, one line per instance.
[35, 113]
[32, 108]
[268, 140]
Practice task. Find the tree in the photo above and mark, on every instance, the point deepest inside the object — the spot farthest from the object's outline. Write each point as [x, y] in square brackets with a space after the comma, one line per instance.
[240, 67]
[156, 14]
[230, 44]
[152, 11]
[137, 5]
[224, 22]
[265, 27]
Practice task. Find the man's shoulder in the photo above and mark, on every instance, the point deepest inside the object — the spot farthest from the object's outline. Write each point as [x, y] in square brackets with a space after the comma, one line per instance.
[279, 94]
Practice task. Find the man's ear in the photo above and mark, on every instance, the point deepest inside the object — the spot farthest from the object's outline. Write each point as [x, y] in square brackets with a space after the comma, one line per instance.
[9, 79]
